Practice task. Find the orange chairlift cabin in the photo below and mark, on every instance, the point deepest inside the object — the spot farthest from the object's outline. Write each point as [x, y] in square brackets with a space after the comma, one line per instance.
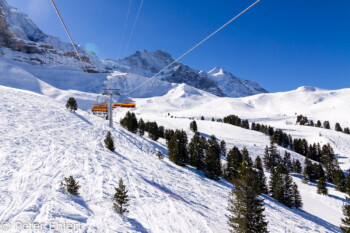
[101, 108]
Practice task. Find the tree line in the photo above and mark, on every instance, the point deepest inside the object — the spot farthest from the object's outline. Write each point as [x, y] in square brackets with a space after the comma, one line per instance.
[303, 120]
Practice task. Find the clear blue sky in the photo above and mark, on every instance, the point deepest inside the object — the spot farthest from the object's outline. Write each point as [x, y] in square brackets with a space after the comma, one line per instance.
[279, 44]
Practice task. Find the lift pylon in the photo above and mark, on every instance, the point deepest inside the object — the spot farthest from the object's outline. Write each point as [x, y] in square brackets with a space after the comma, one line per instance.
[110, 92]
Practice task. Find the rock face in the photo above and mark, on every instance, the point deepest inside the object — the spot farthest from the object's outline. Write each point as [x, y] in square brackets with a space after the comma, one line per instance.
[217, 81]
[22, 40]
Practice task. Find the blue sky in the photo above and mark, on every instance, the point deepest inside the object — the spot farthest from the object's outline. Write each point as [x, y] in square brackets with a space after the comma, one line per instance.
[279, 44]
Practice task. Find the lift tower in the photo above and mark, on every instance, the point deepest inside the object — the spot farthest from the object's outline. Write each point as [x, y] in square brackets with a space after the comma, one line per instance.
[110, 92]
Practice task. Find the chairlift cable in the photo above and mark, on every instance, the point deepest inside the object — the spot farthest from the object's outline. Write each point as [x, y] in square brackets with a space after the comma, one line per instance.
[133, 28]
[219, 29]
[126, 23]
[71, 40]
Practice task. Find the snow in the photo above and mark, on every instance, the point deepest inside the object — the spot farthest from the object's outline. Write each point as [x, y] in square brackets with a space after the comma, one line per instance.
[47, 142]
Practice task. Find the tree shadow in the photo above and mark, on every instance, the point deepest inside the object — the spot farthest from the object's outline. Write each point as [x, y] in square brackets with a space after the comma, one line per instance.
[164, 190]
[137, 225]
[82, 118]
[305, 215]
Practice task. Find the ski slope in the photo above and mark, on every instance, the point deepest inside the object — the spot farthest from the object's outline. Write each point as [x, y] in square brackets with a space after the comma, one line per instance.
[42, 143]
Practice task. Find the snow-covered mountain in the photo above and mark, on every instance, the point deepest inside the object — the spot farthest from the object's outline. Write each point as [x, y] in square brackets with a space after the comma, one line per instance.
[22, 40]
[147, 64]
[233, 86]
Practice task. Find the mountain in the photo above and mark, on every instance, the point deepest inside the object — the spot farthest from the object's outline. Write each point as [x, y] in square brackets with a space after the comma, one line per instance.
[147, 64]
[22, 40]
[233, 86]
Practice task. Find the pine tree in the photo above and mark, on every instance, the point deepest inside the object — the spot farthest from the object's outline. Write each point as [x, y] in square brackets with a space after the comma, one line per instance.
[121, 200]
[287, 161]
[308, 172]
[212, 159]
[177, 148]
[339, 180]
[109, 143]
[70, 186]
[196, 151]
[72, 104]
[347, 187]
[129, 122]
[297, 167]
[234, 160]
[142, 127]
[161, 131]
[318, 124]
[193, 126]
[338, 127]
[202, 118]
[326, 125]
[345, 227]
[347, 130]
[260, 175]
[272, 157]
[245, 207]
[153, 132]
[168, 133]
[322, 186]
[296, 198]
[160, 155]
[246, 157]
[223, 148]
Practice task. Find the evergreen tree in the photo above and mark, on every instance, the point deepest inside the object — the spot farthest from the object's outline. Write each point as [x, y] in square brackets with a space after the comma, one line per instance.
[287, 191]
[72, 104]
[347, 187]
[177, 148]
[246, 157]
[121, 200]
[202, 118]
[245, 207]
[161, 131]
[70, 186]
[168, 133]
[326, 125]
[297, 167]
[339, 180]
[338, 128]
[109, 143]
[223, 148]
[345, 227]
[212, 159]
[260, 175]
[196, 151]
[193, 126]
[160, 155]
[234, 160]
[296, 198]
[272, 157]
[142, 127]
[347, 130]
[322, 186]
[276, 183]
[129, 122]
[287, 161]
[318, 124]
[153, 132]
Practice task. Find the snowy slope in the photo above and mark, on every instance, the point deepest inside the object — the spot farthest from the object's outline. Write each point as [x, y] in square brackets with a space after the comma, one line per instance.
[47, 142]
